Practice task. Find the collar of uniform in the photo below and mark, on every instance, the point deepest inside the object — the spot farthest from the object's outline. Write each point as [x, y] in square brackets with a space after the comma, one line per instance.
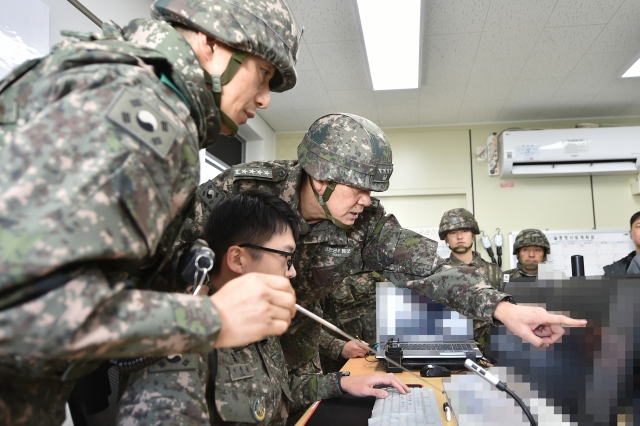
[525, 274]
[162, 37]
[454, 261]
[326, 232]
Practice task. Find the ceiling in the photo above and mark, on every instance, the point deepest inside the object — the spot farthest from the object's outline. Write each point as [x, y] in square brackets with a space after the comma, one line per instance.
[483, 61]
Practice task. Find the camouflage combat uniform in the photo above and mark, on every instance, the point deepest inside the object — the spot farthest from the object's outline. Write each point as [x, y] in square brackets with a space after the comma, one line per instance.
[99, 146]
[526, 238]
[494, 275]
[460, 219]
[352, 308]
[90, 204]
[252, 385]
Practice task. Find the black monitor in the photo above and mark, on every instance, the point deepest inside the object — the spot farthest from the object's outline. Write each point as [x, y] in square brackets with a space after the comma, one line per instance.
[592, 376]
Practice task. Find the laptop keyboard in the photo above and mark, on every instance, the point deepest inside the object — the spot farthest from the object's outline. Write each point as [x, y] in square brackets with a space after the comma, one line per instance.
[436, 346]
[416, 408]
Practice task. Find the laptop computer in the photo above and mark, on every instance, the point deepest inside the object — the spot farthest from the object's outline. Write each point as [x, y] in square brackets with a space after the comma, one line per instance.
[428, 331]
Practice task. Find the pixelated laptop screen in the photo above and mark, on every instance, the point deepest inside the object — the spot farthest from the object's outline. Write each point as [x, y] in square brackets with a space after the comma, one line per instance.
[404, 314]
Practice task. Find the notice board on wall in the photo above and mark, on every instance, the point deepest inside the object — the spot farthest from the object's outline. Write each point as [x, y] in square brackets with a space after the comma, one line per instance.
[598, 247]
[432, 233]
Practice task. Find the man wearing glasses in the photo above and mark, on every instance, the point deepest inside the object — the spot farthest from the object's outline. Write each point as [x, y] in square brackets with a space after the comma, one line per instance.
[251, 232]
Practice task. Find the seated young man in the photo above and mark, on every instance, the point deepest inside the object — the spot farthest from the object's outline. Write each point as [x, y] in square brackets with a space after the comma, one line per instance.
[251, 232]
[622, 266]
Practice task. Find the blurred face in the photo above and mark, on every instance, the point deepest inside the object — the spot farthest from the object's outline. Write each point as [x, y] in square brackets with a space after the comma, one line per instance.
[248, 90]
[347, 203]
[459, 238]
[530, 256]
[274, 263]
[635, 234]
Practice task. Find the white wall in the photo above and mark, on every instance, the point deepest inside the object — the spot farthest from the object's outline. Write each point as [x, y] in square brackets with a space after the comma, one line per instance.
[260, 140]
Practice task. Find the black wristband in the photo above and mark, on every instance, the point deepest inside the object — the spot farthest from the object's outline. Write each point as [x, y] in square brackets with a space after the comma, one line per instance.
[339, 375]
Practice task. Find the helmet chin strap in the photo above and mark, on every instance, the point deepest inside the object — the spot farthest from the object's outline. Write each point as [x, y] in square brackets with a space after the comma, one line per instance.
[215, 83]
[461, 249]
[530, 265]
[322, 199]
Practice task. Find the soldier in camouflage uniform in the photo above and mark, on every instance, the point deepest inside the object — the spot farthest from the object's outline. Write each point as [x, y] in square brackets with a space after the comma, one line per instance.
[458, 229]
[352, 308]
[99, 151]
[343, 231]
[531, 247]
[248, 384]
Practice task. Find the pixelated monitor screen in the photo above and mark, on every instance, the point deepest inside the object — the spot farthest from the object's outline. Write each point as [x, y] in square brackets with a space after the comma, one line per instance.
[404, 314]
[590, 377]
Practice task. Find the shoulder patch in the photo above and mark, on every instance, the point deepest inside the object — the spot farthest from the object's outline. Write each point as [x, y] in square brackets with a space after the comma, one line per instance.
[178, 362]
[209, 194]
[143, 121]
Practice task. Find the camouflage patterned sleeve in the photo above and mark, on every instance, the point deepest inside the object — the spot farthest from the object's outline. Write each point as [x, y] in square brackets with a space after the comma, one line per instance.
[167, 393]
[308, 385]
[330, 346]
[89, 318]
[410, 260]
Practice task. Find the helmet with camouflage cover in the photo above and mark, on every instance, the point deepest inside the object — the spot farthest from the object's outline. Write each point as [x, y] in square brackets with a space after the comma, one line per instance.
[347, 149]
[455, 219]
[531, 237]
[264, 28]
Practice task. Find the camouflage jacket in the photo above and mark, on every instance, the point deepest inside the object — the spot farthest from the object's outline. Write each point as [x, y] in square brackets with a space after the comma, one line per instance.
[251, 386]
[327, 254]
[352, 308]
[493, 273]
[518, 272]
[91, 202]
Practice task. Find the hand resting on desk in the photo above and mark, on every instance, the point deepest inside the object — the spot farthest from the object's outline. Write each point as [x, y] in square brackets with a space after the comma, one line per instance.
[364, 385]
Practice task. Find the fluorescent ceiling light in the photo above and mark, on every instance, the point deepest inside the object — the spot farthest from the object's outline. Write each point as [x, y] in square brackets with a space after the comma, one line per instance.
[391, 31]
[633, 71]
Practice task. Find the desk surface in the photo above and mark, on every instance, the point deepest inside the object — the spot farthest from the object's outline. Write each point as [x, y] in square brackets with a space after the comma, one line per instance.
[360, 367]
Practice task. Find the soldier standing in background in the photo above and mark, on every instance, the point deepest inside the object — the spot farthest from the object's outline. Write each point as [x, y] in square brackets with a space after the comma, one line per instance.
[352, 308]
[531, 248]
[343, 231]
[99, 151]
[458, 229]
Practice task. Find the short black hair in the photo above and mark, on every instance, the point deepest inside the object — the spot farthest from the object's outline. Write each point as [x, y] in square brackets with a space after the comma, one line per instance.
[252, 217]
[635, 217]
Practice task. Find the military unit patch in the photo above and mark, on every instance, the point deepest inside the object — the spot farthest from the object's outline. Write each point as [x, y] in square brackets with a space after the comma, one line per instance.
[143, 121]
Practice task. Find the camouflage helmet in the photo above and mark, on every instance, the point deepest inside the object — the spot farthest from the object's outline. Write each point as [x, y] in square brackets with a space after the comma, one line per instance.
[264, 28]
[455, 219]
[531, 237]
[347, 149]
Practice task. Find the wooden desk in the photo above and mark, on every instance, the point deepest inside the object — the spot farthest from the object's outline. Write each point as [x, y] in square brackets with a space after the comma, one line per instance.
[360, 367]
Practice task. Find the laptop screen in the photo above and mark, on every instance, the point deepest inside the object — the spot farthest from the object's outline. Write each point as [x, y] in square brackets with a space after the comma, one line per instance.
[404, 314]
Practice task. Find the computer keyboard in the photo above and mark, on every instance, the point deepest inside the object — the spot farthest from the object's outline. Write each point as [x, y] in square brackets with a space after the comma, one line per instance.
[419, 407]
[437, 346]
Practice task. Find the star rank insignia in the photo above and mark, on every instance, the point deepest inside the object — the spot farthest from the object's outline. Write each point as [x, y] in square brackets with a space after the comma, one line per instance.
[383, 172]
[260, 172]
[143, 121]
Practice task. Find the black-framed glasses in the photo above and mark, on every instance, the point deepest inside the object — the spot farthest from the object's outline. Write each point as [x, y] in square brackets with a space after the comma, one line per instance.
[286, 254]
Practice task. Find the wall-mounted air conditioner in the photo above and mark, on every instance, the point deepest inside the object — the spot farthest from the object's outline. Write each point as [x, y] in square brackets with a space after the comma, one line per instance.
[570, 152]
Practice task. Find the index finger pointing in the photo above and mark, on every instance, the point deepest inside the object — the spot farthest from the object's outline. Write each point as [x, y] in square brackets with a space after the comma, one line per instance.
[566, 321]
